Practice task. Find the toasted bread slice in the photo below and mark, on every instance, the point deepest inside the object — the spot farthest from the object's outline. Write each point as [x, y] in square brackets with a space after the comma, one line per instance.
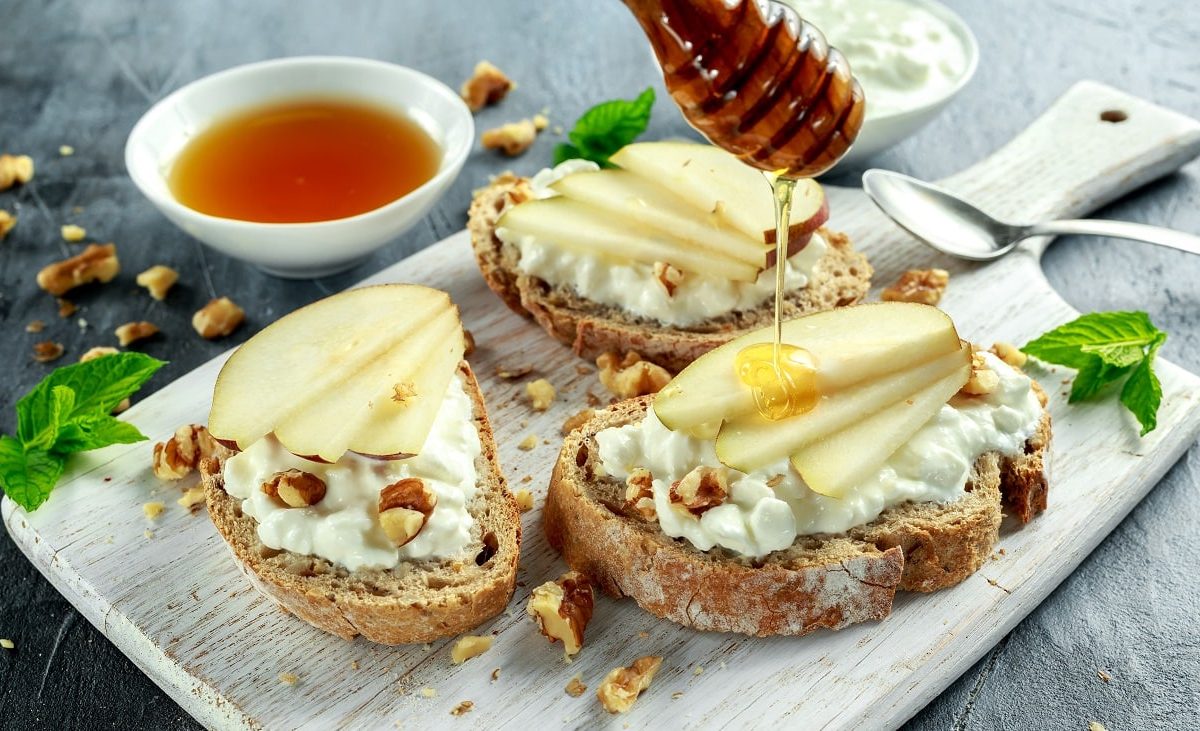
[841, 277]
[415, 602]
[821, 581]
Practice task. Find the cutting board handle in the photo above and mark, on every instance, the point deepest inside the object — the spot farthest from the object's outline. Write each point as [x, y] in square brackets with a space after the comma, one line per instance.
[1094, 145]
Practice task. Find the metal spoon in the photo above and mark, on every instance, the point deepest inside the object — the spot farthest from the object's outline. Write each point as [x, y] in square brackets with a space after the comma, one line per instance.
[953, 226]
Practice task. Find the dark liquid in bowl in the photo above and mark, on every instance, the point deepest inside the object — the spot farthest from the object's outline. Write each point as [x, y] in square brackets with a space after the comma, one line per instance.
[302, 161]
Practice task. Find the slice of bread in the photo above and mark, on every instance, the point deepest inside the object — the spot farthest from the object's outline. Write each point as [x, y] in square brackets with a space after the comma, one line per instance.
[415, 602]
[825, 580]
[841, 277]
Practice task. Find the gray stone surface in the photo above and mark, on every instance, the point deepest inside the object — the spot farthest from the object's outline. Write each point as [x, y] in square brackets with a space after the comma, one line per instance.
[81, 72]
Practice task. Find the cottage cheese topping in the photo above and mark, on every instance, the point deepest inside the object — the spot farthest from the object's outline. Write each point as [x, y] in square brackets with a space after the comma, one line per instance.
[344, 527]
[633, 287]
[903, 55]
[756, 520]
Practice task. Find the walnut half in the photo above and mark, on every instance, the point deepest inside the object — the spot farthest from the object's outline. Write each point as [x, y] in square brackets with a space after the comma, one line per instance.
[562, 609]
[621, 687]
[404, 509]
[700, 490]
[639, 493]
[295, 488]
[218, 318]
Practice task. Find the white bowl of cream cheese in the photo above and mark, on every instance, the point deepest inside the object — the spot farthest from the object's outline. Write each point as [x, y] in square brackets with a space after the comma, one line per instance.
[911, 57]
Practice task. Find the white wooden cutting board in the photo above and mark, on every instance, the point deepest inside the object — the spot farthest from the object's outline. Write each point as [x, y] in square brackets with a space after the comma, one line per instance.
[177, 605]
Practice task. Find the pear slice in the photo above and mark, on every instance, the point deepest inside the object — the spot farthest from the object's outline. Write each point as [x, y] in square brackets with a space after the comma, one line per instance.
[713, 180]
[847, 458]
[851, 345]
[574, 225]
[751, 442]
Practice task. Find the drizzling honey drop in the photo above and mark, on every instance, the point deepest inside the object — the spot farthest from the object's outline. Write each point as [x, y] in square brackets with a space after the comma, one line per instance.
[782, 387]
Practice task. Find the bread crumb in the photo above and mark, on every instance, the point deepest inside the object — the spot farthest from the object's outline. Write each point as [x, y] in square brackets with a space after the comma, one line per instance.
[698, 670]
[192, 497]
[7, 222]
[461, 708]
[576, 420]
[1103, 676]
[583, 370]
[148, 534]
[1096, 726]
[528, 443]
[35, 327]
[677, 695]
[73, 233]
[65, 150]
[643, 635]
[495, 674]
[7, 644]
[540, 122]
[512, 372]
[469, 646]
[66, 308]
[524, 500]
[526, 479]
[428, 692]
[575, 687]
[541, 394]
[153, 510]
[289, 678]
[354, 664]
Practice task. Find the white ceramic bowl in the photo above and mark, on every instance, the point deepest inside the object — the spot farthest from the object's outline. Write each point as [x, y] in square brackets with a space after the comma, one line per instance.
[299, 250]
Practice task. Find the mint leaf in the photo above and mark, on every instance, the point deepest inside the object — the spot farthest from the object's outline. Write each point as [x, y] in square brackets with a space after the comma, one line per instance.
[94, 431]
[1142, 393]
[28, 475]
[1092, 378]
[606, 128]
[59, 405]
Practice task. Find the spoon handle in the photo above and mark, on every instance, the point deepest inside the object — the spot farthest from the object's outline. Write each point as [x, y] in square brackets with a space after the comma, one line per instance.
[1122, 230]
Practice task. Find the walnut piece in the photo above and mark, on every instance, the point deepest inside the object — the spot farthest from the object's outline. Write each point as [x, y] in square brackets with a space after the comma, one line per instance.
[73, 233]
[576, 420]
[700, 490]
[621, 687]
[512, 139]
[461, 708]
[562, 609]
[35, 326]
[1010, 354]
[629, 376]
[668, 276]
[96, 263]
[66, 308]
[131, 332]
[575, 687]
[488, 85]
[983, 379]
[923, 286]
[7, 221]
[524, 500]
[218, 318]
[469, 646]
[295, 488]
[98, 352]
[639, 493]
[158, 280]
[528, 443]
[153, 510]
[404, 509]
[47, 351]
[191, 498]
[541, 394]
[513, 372]
[175, 458]
[15, 169]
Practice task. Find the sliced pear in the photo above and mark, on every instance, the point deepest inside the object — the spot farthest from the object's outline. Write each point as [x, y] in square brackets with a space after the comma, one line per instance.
[750, 442]
[833, 465]
[573, 225]
[713, 180]
[322, 359]
[851, 345]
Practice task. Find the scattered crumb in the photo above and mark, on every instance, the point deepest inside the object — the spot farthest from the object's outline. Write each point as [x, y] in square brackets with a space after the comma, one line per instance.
[512, 372]
[66, 150]
[643, 635]
[73, 233]
[541, 394]
[82, 323]
[1003, 552]
[469, 646]
[7, 644]
[1103, 676]
[428, 692]
[583, 370]
[526, 479]
[524, 500]
[722, 665]
[132, 332]
[48, 351]
[495, 674]
[593, 400]
[153, 510]
[192, 497]
[558, 130]
[66, 308]
[461, 708]
[575, 687]
[354, 664]
[996, 584]
[698, 670]
[1096, 726]
[7, 222]
[540, 122]
[677, 695]
[289, 678]
[35, 327]
[576, 420]
[528, 443]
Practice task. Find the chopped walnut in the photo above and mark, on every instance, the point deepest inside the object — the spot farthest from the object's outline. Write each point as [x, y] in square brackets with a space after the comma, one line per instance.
[528, 443]
[66, 308]
[98, 352]
[73, 233]
[700, 490]
[983, 379]
[575, 687]
[668, 276]
[131, 332]
[562, 610]
[402, 392]
[524, 500]
[7, 221]
[629, 376]
[541, 394]
[512, 139]
[924, 286]
[175, 458]
[576, 420]
[404, 509]
[218, 318]
[461, 708]
[639, 493]
[35, 327]
[295, 488]
[621, 687]
[488, 85]
[47, 351]
[192, 497]
[15, 169]
[468, 343]
[540, 121]
[1010, 354]
[158, 280]
[153, 510]
[513, 372]
[469, 646]
[97, 263]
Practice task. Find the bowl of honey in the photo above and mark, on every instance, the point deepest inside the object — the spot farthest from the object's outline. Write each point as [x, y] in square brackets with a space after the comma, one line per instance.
[301, 166]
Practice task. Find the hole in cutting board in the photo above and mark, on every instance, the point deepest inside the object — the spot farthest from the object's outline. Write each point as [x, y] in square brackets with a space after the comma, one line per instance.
[1113, 116]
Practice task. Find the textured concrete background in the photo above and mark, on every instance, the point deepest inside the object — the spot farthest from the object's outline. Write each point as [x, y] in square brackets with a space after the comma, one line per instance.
[82, 72]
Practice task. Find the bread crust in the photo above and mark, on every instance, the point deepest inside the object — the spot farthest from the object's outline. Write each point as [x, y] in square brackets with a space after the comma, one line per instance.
[823, 581]
[352, 604]
[841, 277]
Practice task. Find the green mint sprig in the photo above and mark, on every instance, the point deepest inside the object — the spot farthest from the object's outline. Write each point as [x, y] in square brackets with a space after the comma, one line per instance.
[606, 128]
[1105, 347]
[70, 411]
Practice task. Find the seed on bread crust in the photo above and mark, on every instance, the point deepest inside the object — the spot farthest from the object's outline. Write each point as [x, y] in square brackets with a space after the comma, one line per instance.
[562, 609]
[295, 488]
[622, 686]
[404, 509]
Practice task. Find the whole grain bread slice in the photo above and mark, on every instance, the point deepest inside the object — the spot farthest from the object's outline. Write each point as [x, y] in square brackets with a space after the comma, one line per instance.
[841, 277]
[415, 602]
[821, 581]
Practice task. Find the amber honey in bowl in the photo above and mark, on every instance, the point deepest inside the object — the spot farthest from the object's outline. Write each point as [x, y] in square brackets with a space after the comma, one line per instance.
[303, 160]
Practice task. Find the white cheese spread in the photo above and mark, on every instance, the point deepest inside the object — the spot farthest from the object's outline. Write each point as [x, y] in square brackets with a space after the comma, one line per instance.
[903, 55]
[932, 467]
[632, 286]
[344, 527]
